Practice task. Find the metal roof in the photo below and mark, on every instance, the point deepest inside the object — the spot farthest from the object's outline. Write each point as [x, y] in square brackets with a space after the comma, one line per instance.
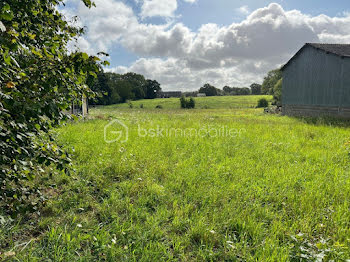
[342, 50]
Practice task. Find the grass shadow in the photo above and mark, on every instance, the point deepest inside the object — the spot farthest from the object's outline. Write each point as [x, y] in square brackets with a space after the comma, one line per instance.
[324, 121]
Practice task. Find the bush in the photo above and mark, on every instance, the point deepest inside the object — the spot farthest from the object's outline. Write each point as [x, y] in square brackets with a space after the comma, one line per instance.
[183, 102]
[262, 103]
[141, 106]
[130, 104]
[187, 103]
[39, 81]
[191, 103]
[277, 93]
[159, 107]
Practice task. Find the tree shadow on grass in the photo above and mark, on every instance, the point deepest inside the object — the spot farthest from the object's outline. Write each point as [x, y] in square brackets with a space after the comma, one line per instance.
[324, 121]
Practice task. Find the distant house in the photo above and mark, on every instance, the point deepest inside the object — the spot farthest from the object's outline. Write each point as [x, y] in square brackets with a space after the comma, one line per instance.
[316, 81]
[170, 94]
[201, 95]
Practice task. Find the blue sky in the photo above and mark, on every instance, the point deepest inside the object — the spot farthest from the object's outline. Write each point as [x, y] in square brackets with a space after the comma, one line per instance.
[185, 43]
[223, 11]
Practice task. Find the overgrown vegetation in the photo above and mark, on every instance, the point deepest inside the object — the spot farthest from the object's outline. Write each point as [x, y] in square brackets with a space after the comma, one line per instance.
[39, 80]
[276, 190]
[277, 93]
[270, 81]
[187, 103]
[263, 103]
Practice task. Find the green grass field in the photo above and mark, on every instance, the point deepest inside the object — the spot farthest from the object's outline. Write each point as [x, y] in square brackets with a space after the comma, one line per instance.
[223, 102]
[250, 187]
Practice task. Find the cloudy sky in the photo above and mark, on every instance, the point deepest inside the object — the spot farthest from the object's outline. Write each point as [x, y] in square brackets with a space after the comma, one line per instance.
[184, 44]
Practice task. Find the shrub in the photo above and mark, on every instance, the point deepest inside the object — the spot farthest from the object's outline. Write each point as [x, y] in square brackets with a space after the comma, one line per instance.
[39, 81]
[187, 103]
[130, 104]
[277, 93]
[183, 102]
[159, 107]
[141, 106]
[262, 103]
[191, 103]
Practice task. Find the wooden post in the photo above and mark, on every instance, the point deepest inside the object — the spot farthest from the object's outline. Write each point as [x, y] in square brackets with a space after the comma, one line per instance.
[84, 106]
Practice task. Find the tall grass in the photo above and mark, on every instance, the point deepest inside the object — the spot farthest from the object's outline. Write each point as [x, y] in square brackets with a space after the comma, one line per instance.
[278, 190]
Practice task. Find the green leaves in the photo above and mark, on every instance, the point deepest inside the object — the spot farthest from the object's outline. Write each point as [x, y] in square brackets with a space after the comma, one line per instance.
[88, 3]
[6, 13]
[85, 56]
[6, 57]
[38, 82]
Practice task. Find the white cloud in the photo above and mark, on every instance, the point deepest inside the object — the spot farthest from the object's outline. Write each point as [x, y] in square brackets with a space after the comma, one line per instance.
[190, 1]
[237, 54]
[163, 8]
[244, 10]
[175, 74]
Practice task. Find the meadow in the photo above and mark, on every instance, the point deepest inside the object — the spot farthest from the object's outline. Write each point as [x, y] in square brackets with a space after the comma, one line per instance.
[223, 182]
[218, 102]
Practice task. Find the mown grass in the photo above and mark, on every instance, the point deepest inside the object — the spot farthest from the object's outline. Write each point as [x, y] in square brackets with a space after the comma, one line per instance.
[276, 190]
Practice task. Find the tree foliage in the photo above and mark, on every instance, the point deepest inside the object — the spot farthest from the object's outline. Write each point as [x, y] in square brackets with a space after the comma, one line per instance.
[152, 88]
[255, 89]
[38, 81]
[187, 103]
[270, 81]
[263, 103]
[209, 90]
[277, 93]
[236, 91]
[116, 88]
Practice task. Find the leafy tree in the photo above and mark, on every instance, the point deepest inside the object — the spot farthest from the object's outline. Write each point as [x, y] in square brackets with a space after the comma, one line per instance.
[101, 88]
[227, 90]
[38, 81]
[138, 83]
[277, 93]
[114, 98]
[124, 90]
[209, 90]
[152, 88]
[234, 91]
[255, 89]
[116, 88]
[270, 81]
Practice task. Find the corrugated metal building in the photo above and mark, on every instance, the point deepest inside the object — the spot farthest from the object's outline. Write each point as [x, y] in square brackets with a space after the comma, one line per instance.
[316, 81]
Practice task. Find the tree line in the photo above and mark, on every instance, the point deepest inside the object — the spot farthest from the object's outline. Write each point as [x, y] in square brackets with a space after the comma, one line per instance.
[115, 88]
[272, 85]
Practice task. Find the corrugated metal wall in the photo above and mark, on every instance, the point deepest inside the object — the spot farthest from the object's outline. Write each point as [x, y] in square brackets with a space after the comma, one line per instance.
[317, 78]
[346, 83]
